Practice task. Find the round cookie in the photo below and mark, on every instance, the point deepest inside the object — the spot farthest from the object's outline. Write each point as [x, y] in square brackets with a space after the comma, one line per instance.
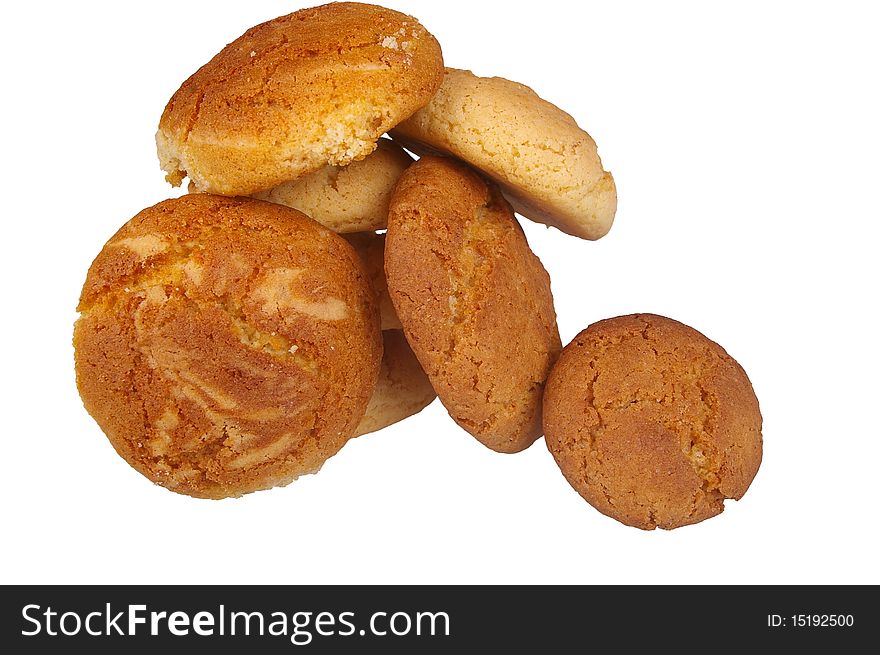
[294, 94]
[351, 198]
[371, 248]
[651, 422]
[403, 388]
[546, 165]
[226, 345]
[474, 301]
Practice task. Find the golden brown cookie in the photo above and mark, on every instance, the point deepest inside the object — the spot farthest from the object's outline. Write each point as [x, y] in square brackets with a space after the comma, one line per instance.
[547, 166]
[226, 345]
[351, 198]
[473, 299]
[403, 388]
[371, 247]
[651, 422]
[297, 93]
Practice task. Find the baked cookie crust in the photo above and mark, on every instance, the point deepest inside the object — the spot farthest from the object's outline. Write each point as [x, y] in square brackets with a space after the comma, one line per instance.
[474, 301]
[226, 345]
[547, 166]
[294, 94]
[651, 422]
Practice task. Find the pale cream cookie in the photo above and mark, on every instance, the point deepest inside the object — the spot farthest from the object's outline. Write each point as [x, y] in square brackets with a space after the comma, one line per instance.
[402, 390]
[547, 166]
[347, 199]
[371, 247]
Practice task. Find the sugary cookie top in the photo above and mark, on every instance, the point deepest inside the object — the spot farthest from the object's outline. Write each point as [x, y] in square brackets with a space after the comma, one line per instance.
[226, 345]
[652, 422]
[546, 164]
[296, 93]
[347, 199]
[474, 301]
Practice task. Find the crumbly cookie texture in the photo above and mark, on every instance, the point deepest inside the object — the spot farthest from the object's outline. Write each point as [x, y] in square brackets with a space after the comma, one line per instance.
[226, 345]
[371, 248]
[547, 166]
[346, 199]
[402, 390]
[474, 301]
[297, 93]
[651, 422]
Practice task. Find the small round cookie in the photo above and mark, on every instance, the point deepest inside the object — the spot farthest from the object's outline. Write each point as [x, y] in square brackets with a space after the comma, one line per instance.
[546, 165]
[294, 94]
[371, 248]
[403, 388]
[474, 301]
[351, 198]
[226, 345]
[651, 422]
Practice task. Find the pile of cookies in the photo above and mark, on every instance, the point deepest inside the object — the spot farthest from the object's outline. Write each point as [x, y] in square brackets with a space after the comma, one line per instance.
[318, 284]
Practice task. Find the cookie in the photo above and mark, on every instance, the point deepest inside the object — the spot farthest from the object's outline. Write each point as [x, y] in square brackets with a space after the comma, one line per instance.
[226, 345]
[351, 198]
[473, 299]
[651, 422]
[371, 248]
[547, 166]
[294, 94]
[403, 388]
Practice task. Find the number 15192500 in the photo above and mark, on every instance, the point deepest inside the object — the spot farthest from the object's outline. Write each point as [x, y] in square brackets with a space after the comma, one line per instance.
[810, 621]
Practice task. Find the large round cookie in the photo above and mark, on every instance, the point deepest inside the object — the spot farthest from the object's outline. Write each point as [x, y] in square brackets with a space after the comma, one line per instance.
[226, 345]
[547, 166]
[473, 299]
[402, 390]
[346, 199]
[296, 93]
[651, 422]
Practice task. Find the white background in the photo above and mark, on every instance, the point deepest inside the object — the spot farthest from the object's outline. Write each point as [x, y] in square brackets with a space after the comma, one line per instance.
[744, 141]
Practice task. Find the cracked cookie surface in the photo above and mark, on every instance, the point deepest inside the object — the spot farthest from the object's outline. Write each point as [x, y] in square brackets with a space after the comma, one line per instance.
[294, 94]
[474, 301]
[651, 422]
[226, 345]
[547, 166]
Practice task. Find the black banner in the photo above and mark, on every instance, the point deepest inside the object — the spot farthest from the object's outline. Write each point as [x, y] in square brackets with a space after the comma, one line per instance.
[432, 619]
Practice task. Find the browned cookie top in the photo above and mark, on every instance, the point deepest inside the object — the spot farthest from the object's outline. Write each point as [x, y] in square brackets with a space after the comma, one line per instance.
[296, 93]
[474, 301]
[226, 345]
[651, 422]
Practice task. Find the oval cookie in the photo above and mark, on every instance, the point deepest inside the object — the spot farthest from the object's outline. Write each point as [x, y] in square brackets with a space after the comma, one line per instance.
[547, 166]
[474, 301]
